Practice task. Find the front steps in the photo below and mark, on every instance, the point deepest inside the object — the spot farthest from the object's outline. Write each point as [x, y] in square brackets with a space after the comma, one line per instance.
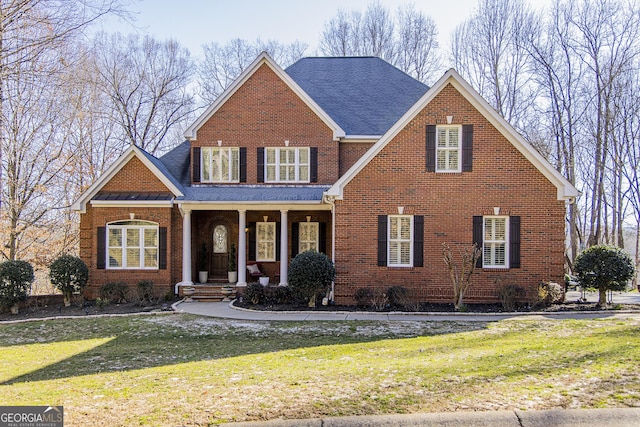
[208, 291]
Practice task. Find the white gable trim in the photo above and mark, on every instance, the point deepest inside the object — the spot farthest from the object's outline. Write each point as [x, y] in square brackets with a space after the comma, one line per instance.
[130, 153]
[192, 131]
[566, 191]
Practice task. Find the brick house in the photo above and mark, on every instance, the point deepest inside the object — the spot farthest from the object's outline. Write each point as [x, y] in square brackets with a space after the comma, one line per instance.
[347, 156]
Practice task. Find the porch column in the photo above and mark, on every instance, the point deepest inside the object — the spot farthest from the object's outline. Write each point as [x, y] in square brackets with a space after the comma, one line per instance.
[186, 248]
[242, 248]
[284, 247]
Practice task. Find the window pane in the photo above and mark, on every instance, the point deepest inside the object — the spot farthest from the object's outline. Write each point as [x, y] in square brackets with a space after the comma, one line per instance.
[453, 137]
[133, 237]
[500, 230]
[235, 164]
[304, 156]
[453, 160]
[206, 165]
[133, 258]
[224, 165]
[394, 227]
[220, 239]
[151, 258]
[488, 229]
[405, 231]
[405, 253]
[271, 173]
[442, 137]
[284, 158]
[499, 254]
[304, 173]
[151, 238]
[271, 156]
[442, 160]
[115, 237]
[115, 257]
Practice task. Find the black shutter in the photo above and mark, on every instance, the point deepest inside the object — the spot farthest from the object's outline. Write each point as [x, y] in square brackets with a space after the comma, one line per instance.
[514, 242]
[431, 148]
[418, 240]
[260, 165]
[243, 164]
[252, 241]
[382, 240]
[196, 164]
[323, 238]
[278, 239]
[295, 238]
[102, 248]
[162, 248]
[313, 164]
[467, 148]
[477, 237]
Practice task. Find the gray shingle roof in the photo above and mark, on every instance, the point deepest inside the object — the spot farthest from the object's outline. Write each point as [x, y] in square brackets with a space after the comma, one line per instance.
[364, 95]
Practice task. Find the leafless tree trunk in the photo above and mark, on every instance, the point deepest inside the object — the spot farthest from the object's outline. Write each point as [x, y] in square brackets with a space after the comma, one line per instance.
[460, 274]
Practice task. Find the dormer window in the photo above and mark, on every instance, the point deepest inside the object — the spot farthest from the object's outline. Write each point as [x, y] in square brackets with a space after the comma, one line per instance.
[284, 164]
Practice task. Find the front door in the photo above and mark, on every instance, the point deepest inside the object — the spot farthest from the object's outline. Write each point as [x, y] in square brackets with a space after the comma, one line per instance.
[219, 259]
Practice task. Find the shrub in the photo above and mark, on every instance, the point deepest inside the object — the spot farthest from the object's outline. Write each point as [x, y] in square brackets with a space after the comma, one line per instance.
[604, 268]
[114, 292]
[398, 296]
[254, 293]
[69, 274]
[509, 296]
[145, 292]
[549, 293]
[16, 278]
[310, 273]
[363, 297]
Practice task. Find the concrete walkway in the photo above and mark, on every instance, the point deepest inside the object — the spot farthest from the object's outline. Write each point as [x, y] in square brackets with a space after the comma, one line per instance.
[227, 311]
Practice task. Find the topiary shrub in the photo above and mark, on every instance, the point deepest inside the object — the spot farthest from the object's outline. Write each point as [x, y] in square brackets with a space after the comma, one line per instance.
[310, 273]
[69, 274]
[254, 293]
[509, 296]
[604, 268]
[398, 296]
[114, 292]
[16, 278]
[145, 292]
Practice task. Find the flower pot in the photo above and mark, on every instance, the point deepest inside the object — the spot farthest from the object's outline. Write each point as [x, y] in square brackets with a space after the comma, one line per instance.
[233, 276]
[264, 281]
[188, 292]
[226, 292]
[203, 276]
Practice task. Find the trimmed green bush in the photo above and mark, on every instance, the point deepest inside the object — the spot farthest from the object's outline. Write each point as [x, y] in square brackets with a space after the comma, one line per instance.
[70, 275]
[311, 273]
[604, 268]
[16, 278]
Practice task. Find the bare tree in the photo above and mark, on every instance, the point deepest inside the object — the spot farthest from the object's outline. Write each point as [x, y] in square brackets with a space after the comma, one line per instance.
[407, 41]
[223, 64]
[147, 82]
[460, 273]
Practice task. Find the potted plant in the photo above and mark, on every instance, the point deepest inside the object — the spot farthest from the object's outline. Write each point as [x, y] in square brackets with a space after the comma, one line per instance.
[203, 272]
[16, 278]
[264, 280]
[233, 271]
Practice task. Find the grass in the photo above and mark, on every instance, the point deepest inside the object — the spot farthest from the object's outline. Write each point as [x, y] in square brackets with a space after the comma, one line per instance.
[187, 370]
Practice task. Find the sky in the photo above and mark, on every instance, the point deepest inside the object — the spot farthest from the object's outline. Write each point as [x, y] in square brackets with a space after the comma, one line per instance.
[196, 22]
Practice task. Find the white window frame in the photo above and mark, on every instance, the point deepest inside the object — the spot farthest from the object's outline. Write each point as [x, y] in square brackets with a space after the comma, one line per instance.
[311, 243]
[448, 150]
[492, 243]
[391, 240]
[232, 172]
[141, 227]
[260, 240]
[277, 164]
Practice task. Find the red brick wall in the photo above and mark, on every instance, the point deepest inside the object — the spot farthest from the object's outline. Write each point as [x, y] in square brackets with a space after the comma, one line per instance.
[264, 112]
[350, 153]
[134, 177]
[501, 177]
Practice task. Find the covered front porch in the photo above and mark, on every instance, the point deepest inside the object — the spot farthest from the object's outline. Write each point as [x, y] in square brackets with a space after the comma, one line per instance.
[249, 241]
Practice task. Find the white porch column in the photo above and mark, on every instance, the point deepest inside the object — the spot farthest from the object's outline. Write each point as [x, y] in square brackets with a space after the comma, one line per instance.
[186, 248]
[284, 246]
[242, 248]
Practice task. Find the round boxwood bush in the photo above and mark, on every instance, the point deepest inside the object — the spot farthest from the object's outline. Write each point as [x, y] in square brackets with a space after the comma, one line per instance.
[604, 268]
[310, 273]
[69, 274]
[16, 278]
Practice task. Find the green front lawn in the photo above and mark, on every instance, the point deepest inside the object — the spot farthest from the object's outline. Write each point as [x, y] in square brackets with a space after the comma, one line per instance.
[187, 370]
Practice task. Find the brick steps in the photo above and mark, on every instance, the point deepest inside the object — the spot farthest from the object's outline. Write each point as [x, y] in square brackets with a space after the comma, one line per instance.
[208, 292]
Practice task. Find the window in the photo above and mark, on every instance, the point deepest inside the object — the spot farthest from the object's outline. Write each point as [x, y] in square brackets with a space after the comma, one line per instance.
[132, 244]
[308, 236]
[220, 164]
[287, 164]
[266, 241]
[495, 253]
[448, 152]
[400, 241]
